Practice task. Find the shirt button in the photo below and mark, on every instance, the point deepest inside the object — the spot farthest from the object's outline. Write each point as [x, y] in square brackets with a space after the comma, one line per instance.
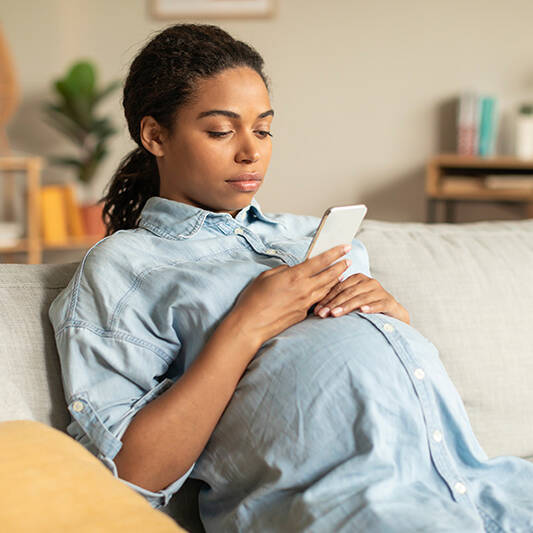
[459, 487]
[437, 435]
[77, 406]
[239, 231]
[419, 373]
[388, 327]
[271, 251]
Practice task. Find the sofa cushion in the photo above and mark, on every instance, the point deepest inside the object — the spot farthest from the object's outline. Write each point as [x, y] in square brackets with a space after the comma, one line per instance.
[29, 366]
[51, 483]
[469, 290]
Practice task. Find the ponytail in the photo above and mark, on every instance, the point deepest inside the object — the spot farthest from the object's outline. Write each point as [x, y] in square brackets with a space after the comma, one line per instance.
[135, 180]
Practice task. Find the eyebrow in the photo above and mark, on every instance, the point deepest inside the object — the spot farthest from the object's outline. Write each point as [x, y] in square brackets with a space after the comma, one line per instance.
[231, 114]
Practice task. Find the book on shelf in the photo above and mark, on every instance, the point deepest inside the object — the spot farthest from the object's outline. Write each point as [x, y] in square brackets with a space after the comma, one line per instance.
[75, 226]
[476, 124]
[53, 215]
[63, 219]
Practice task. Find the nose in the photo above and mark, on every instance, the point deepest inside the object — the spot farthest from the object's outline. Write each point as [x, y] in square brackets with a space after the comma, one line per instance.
[248, 151]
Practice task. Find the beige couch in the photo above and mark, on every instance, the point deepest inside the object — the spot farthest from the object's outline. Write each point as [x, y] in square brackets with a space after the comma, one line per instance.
[468, 289]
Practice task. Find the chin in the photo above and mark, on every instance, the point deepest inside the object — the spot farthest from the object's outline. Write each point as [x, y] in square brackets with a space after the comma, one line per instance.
[237, 206]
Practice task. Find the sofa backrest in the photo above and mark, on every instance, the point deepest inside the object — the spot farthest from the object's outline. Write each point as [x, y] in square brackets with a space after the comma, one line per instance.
[30, 378]
[468, 289]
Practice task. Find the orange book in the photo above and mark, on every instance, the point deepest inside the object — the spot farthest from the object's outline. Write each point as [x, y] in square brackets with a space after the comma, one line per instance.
[53, 215]
[74, 219]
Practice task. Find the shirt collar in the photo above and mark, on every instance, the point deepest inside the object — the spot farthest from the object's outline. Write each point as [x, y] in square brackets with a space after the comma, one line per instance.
[170, 218]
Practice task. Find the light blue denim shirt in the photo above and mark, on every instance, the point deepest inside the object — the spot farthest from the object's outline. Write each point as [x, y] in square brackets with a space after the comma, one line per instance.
[338, 424]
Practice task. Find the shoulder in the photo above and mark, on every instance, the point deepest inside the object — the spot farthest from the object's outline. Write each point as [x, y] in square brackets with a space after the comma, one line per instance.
[111, 269]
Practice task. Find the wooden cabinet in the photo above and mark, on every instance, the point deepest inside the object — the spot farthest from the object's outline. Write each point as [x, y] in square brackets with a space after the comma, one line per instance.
[29, 249]
[452, 178]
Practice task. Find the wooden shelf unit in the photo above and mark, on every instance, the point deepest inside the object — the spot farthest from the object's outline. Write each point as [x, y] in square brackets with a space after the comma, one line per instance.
[31, 245]
[451, 178]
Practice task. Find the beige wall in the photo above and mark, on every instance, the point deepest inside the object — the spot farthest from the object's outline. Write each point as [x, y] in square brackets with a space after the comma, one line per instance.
[357, 86]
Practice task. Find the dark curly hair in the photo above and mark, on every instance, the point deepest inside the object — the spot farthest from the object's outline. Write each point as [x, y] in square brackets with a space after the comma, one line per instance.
[162, 78]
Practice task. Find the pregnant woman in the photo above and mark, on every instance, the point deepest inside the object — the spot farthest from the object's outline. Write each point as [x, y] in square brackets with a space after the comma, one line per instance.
[195, 341]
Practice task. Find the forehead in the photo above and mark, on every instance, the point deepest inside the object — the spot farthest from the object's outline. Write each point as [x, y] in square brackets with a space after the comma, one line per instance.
[235, 89]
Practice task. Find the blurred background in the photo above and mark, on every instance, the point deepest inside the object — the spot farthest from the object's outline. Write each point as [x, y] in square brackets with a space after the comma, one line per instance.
[364, 93]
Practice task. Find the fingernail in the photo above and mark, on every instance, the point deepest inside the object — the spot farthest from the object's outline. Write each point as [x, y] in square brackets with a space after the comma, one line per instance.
[318, 308]
[348, 262]
[323, 312]
[347, 247]
[365, 308]
[336, 311]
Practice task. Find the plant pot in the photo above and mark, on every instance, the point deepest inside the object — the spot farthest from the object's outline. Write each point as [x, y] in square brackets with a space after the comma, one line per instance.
[93, 224]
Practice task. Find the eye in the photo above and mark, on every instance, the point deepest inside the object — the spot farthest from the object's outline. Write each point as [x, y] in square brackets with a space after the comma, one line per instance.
[218, 133]
[264, 134]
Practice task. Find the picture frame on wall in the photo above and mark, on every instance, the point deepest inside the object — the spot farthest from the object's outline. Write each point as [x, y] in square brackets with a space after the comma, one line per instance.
[176, 9]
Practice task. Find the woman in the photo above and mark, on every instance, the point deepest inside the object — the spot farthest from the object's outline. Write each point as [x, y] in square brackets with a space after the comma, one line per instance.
[194, 340]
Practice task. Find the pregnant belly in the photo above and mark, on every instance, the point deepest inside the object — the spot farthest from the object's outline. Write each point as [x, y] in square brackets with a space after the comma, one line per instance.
[322, 390]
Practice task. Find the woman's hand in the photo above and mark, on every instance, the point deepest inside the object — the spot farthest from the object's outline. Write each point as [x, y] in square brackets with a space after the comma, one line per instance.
[282, 296]
[360, 292]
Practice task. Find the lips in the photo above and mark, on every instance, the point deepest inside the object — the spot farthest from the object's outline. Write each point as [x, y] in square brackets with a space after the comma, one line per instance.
[249, 182]
[251, 176]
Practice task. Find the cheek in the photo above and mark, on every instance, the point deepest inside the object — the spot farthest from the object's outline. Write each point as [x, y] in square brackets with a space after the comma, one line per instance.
[267, 152]
[204, 154]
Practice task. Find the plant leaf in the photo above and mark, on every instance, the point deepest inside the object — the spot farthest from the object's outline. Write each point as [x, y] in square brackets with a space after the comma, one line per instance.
[72, 133]
[81, 79]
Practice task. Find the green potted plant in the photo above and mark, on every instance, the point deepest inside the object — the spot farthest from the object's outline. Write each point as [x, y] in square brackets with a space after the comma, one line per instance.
[74, 115]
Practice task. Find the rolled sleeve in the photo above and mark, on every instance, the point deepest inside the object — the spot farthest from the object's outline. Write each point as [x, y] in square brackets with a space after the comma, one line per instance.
[108, 378]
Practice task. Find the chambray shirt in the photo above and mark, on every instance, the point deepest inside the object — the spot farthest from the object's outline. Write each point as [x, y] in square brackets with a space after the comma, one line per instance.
[338, 424]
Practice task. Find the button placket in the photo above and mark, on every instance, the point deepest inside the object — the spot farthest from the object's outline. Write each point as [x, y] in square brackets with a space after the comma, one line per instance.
[437, 436]
[419, 373]
[459, 487]
[441, 458]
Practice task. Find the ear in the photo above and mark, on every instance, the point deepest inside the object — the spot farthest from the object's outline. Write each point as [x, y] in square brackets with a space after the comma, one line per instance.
[152, 136]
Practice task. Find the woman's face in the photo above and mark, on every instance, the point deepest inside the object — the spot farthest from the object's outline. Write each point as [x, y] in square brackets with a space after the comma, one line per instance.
[217, 140]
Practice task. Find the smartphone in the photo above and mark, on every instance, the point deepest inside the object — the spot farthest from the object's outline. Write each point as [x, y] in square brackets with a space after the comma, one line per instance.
[339, 225]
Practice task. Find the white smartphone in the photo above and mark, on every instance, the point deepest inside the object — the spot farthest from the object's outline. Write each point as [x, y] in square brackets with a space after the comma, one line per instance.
[339, 225]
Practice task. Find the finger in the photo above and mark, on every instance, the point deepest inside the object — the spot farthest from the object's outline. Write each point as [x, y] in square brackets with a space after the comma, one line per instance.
[374, 306]
[378, 306]
[355, 279]
[341, 302]
[330, 276]
[363, 286]
[316, 264]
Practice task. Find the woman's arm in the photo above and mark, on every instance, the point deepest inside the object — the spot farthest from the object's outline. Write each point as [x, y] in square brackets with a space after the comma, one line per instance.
[166, 437]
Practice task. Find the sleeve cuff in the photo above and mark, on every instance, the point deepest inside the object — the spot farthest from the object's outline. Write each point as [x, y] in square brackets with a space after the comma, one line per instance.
[155, 499]
[107, 440]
